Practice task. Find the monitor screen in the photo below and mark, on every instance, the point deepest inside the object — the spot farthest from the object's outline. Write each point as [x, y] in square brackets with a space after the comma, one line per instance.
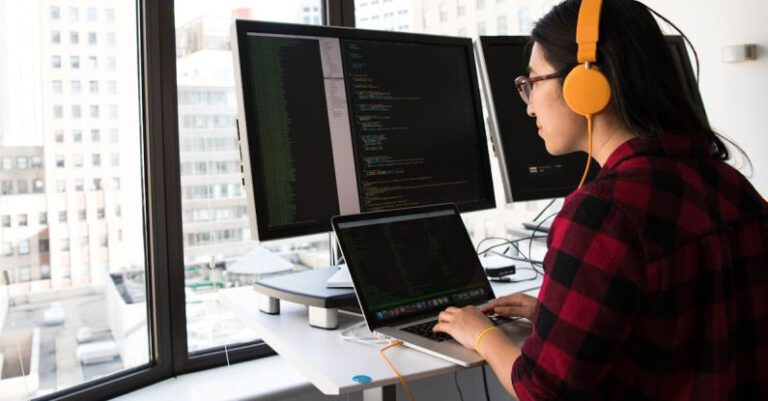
[529, 172]
[339, 121]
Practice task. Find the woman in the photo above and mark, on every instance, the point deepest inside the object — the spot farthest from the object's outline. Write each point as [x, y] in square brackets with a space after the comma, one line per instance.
[656, 284]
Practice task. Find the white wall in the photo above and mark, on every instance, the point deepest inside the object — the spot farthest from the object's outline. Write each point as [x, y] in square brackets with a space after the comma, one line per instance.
[735, 95]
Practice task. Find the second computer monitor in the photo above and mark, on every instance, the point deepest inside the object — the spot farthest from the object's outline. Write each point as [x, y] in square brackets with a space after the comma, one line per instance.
[529, 172]
[340, 121]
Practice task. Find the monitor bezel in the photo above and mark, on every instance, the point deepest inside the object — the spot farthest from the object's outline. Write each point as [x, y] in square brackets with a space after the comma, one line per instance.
[249, 154]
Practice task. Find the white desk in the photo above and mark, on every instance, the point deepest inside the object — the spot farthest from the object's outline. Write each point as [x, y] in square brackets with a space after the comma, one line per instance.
[329, 362]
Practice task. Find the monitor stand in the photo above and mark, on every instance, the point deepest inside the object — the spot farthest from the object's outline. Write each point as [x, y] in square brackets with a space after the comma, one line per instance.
[306, 288]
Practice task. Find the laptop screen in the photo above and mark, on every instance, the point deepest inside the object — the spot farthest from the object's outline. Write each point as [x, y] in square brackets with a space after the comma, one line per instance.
[409, 264]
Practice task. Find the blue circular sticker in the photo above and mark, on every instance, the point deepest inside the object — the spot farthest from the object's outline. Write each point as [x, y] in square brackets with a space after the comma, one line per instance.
[361, 379]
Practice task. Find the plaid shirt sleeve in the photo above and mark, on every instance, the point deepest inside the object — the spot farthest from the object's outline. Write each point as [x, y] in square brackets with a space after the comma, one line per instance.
[588, 303]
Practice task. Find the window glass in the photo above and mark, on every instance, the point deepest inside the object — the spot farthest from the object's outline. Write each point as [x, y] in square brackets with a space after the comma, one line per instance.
[72, 314]
[215, 252]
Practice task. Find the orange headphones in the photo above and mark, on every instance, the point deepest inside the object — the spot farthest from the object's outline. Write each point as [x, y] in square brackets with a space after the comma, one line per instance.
[586, 90]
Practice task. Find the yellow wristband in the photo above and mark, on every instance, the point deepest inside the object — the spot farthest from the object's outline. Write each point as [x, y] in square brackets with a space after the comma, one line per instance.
[482, 334]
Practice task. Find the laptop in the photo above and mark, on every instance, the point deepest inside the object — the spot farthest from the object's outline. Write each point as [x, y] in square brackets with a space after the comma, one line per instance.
[407, 266]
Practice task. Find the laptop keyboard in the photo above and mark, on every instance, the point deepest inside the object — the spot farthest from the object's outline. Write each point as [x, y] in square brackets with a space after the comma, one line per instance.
[425, 329]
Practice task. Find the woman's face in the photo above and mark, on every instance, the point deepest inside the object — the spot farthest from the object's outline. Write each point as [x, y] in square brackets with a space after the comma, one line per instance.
[563, 130]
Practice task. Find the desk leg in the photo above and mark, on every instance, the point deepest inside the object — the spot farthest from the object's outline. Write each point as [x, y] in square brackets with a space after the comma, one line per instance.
[386, 393]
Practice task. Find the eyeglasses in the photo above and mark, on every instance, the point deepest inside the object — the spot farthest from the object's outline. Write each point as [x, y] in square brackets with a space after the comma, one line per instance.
[525, 84]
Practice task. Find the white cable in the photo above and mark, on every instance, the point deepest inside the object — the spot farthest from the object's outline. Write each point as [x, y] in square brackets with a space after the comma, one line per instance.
[349, 334]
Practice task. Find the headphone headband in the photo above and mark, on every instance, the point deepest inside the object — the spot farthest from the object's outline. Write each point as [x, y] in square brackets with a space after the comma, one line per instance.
[587, 30]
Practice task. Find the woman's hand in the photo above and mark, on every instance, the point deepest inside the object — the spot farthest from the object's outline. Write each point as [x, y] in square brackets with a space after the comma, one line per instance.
[515, 305]
[463, 324]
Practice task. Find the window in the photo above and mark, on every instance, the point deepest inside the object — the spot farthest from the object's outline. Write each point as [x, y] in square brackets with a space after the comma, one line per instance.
[112, 110]
[24, 275]
[7, 163]
[100, 214]
[94, 111]
[114, 160]
[481, 28]
[110, 39]
[7, 187]
[111, 87]
[111, 63]
[53, 146]
[43, 245]
[24, 247]
[480, 4]
[45, 272]
[23, 186]
[22, 163]
[73, 14]
[81, 215]
[6, 220]
[114, 136]
[7, 249]
[77, 111]
[38, 186]
[92, 39]
[96, 160]
[96, 185]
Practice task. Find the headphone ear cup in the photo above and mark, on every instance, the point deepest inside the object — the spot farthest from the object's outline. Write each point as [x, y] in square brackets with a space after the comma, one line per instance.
[586, 90]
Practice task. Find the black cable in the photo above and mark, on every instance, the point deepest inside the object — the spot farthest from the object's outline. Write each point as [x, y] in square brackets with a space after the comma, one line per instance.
[456, 380]
[485, 384]
[545, 209]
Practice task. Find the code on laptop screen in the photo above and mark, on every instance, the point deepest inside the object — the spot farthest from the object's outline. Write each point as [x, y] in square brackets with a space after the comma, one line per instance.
[412, 264]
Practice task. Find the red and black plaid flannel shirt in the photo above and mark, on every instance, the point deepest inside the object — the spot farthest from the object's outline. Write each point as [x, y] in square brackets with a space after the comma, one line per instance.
[656, 284]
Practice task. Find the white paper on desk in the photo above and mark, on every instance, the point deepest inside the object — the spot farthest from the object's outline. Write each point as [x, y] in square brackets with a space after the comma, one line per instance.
[340, 279]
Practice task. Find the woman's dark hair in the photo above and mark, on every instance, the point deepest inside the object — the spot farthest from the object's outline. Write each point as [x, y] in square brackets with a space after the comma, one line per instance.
[646, 91]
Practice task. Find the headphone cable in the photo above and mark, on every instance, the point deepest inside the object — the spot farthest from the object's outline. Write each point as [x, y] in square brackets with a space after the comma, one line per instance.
[589, 152]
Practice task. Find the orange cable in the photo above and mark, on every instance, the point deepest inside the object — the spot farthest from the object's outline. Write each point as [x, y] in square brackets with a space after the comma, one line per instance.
[391, 366]
[589, 153]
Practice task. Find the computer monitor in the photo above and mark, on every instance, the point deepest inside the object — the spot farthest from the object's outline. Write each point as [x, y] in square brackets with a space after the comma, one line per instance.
[529, 172]
[339, 121]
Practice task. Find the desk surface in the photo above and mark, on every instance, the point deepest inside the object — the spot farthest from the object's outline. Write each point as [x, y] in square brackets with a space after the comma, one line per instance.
[330, 362]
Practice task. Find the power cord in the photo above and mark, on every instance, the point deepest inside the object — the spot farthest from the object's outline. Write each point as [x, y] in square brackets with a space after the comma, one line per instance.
[485, 384]
[391, 366]
[456, 380]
